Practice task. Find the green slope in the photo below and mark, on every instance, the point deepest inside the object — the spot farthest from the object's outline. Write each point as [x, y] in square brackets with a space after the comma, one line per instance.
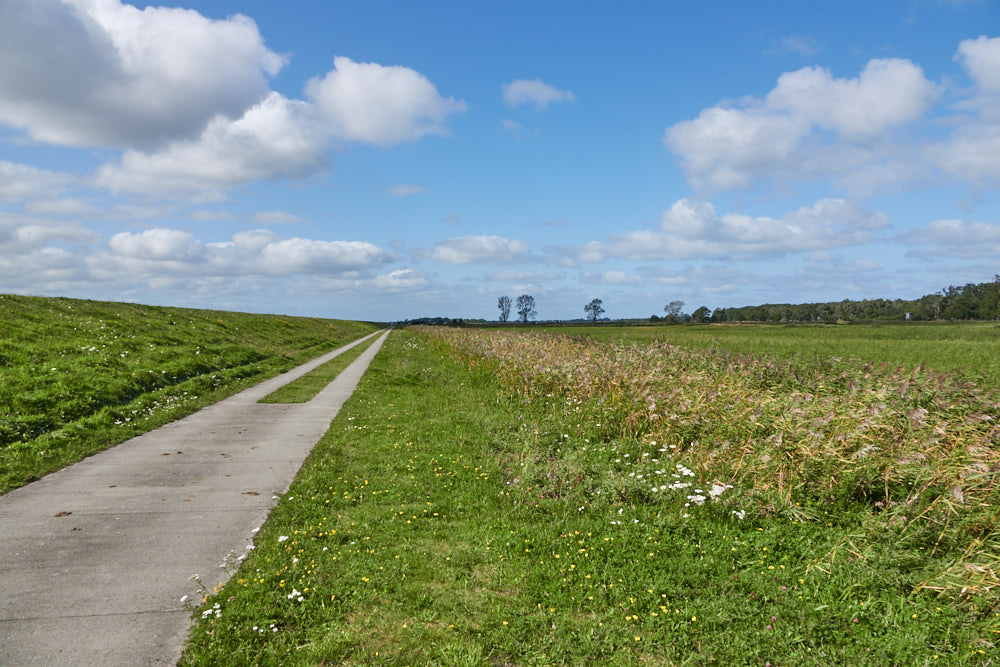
[79, 376]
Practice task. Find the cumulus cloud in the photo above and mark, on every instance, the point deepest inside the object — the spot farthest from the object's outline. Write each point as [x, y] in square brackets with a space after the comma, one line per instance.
[275, 138]
[479, 250]
[279, 137]
[981, 57]
[782, 134]
[887, 93]
[536, 92]
[692, 229]
[728, 148]
[161, 245]
[379, 105]
[260, 252]
[104, 73]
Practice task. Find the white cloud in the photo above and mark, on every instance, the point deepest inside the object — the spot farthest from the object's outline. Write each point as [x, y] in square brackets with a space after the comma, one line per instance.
[21, 181]
[972, 152]
[20, 234]
[308, 256]
[49, 269]
[400, 280]
[379, 105]
[275, 138]
[888, 93]
[167, 252]
[728, 148]
[536, 91]
[275, 218]
[691, 229]
[280, 137]
[103, 73]
[479, 249]
[955, 238]
[158, 245]
[782, 135]
[981, 57]
[404, 190]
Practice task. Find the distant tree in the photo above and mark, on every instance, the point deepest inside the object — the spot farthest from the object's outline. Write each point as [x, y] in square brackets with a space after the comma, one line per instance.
[526, 307]
[594, 310]
[503, 303]
[703, 314]
[673, 310]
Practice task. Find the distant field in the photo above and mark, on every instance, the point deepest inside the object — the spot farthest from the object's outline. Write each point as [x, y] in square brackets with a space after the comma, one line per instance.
[79, 376]
[969, 349]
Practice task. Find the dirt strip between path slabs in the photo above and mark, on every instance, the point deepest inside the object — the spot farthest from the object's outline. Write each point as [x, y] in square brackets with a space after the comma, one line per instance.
[95, 559]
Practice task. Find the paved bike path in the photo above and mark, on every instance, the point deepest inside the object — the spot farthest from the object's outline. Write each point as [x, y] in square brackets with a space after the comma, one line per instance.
[95, 559]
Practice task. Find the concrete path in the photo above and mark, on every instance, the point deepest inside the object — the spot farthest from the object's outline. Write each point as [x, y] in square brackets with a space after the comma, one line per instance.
[96, 558]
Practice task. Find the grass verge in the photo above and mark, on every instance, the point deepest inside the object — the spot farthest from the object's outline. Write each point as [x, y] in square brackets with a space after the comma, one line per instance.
[448, 519]
[79, 376]
[306, 387]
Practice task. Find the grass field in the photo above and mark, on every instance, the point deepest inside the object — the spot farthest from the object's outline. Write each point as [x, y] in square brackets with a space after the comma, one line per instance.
[508, 498]
[969, 349]
[79, 376]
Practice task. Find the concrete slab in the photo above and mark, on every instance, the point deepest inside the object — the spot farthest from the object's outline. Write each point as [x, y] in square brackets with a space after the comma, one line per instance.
[96, 558]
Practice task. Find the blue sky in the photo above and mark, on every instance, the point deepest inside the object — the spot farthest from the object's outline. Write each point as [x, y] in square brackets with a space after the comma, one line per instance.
[375, 160]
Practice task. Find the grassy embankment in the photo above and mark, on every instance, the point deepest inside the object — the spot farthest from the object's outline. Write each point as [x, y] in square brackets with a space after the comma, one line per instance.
[970, 350]
[497, 498]
[79, 376]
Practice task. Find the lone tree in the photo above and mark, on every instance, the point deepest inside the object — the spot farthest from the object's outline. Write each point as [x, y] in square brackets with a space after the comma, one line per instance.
[503, 303]
[673, 310]
[702, 315]
[594, 310]
[526, 307]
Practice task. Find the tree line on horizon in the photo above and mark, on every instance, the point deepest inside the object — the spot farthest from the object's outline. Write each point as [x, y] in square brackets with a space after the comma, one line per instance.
[972, 301]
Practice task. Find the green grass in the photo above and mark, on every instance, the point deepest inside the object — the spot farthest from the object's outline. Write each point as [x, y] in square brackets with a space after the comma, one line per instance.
[306, 387]
[457, 514]
[79, 376]
[969, 349]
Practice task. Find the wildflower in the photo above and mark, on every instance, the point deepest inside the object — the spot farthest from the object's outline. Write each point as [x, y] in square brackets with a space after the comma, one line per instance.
[282, 538]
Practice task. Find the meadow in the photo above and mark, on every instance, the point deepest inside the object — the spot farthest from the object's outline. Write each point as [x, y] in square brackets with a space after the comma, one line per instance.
[527, 498]
[970, 350]
[79, 376]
